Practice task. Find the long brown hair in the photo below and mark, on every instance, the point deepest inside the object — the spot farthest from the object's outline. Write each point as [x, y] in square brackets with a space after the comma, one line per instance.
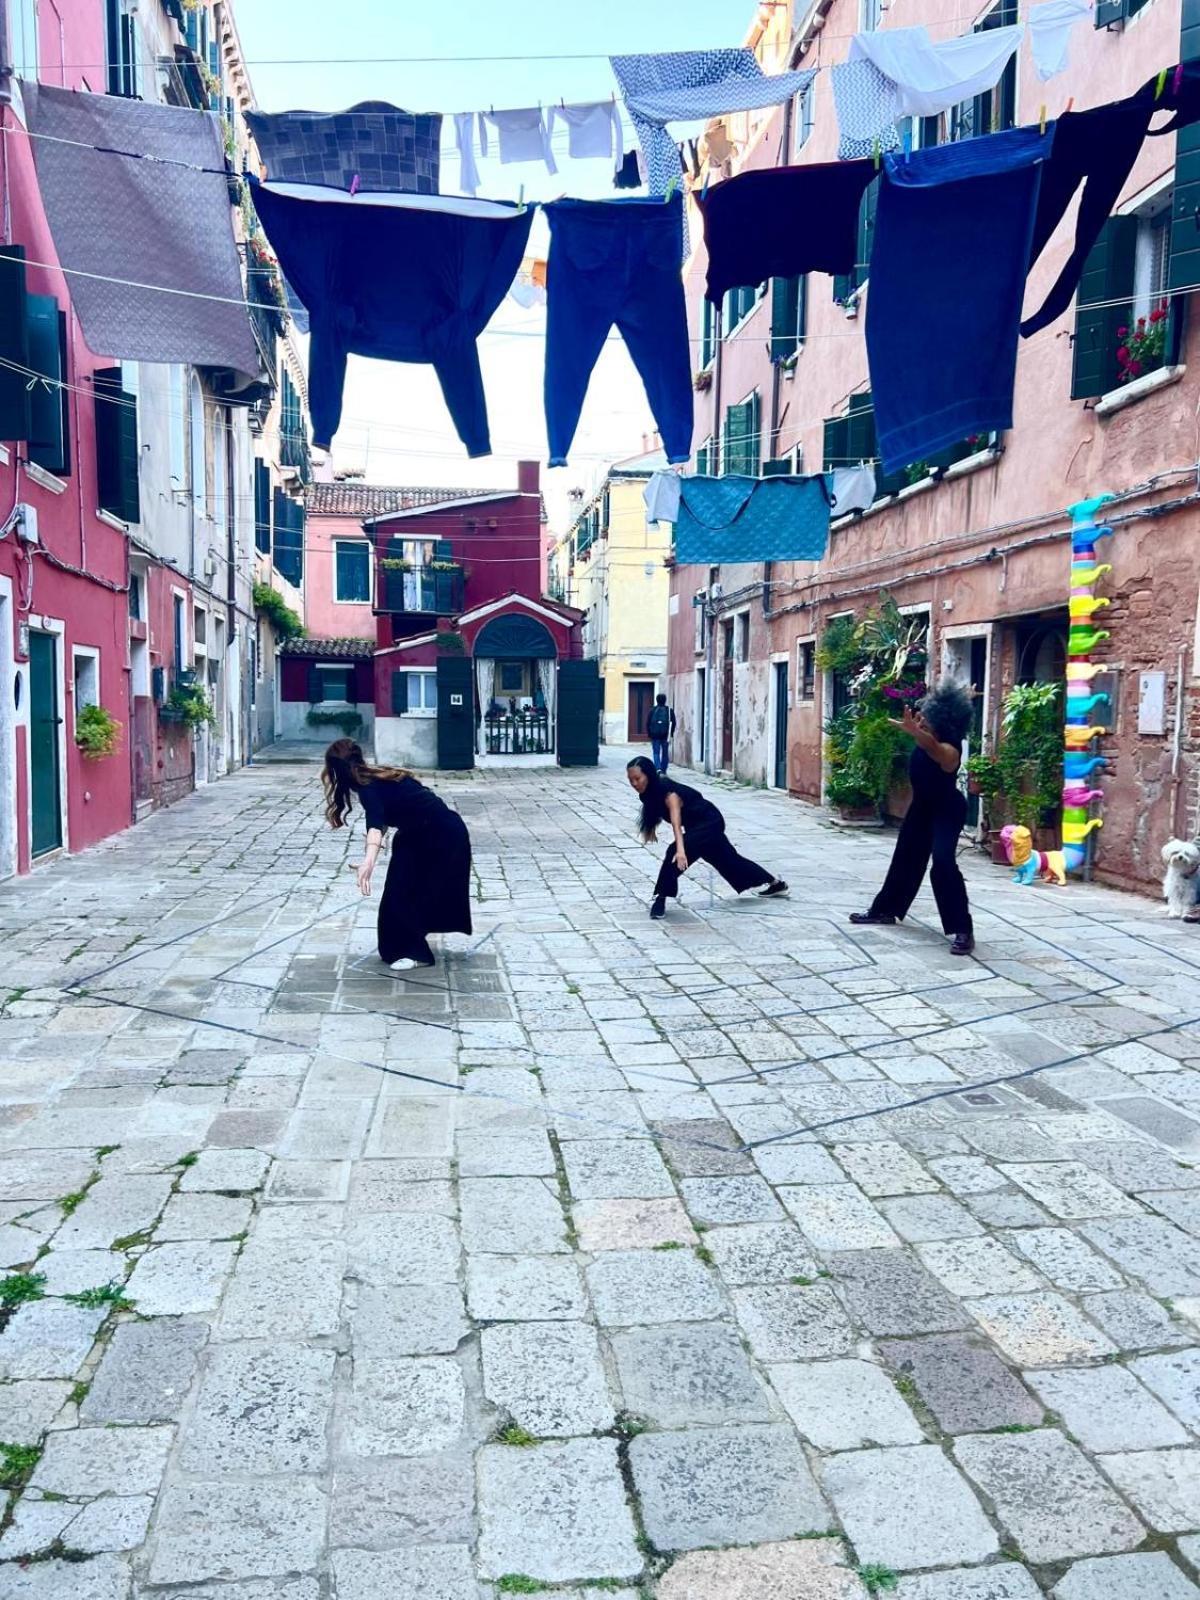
[347, 770]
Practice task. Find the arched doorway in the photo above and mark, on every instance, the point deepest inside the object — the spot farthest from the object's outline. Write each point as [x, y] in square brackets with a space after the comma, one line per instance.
[516, 686]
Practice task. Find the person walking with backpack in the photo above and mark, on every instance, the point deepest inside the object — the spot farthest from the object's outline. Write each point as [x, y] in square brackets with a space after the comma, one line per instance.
[660, 729]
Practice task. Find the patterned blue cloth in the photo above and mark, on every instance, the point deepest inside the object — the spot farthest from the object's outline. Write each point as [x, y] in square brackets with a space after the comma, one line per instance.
[732, 518]
[687, 85]
[867, 106]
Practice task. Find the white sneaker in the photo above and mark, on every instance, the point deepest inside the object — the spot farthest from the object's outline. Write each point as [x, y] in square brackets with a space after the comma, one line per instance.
[405, 964]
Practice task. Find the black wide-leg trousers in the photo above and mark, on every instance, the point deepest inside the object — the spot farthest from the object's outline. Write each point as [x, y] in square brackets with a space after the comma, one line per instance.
[928, 838]
[713, 846]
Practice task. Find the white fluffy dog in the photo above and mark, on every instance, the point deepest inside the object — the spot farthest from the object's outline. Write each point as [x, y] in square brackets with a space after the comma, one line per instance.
[1181, 886]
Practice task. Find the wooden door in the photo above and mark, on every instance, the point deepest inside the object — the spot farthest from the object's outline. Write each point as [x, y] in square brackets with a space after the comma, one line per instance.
[455, 713]
[641, 699]
[781, 724]
[578, 719]
[45, 718]
[727, 696]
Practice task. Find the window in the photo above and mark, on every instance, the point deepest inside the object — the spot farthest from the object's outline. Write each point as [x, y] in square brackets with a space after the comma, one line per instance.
[706, 458]
[117, 450]
[700, 612]
[512, 677]
[806, 668]
[23, 37]
[414, 693]
[870, 14]
[741, 445]
[789, 316]
[850, 441]
[220, 436]
[136, 606]
[179, 636]
[352, 571]
[1109, 12]
[1127, 277]
[738, 305]
[803, 120]
[262, 508]
[197, 480]
[845, 283]
[708, 332]
[743, 636]
[288, 538]
[996, 109]
[123, 47]
[87, 679]
[293, 440]
[49, 441]
[331, 683]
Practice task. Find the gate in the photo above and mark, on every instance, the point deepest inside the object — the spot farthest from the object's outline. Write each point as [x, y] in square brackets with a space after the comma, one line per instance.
[45, 719]
[578, 714]
[455, 713]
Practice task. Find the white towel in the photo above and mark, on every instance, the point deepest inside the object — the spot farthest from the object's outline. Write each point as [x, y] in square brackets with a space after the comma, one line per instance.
[932, 77]
[661, 495]
[1050, 28]
[593, 130]
[522, 135]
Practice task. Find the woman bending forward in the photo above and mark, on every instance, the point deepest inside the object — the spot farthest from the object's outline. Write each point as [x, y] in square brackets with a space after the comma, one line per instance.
[699, 830]
[428, 887]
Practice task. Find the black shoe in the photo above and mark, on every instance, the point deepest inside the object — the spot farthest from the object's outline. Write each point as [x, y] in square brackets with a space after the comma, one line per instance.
[658, 908]
[777, 886]
[873, 917]
[962, 944]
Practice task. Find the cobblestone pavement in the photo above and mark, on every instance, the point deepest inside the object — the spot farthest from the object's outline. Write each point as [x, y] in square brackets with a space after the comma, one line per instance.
[703, 1260]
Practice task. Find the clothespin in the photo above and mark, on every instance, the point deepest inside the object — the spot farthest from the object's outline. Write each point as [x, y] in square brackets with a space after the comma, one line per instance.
[354, 184]
[521, 200]
[704, 185]
[672, 185]
[1177, 82]
[1160, 84]
[906, 137]
[1070, 102]
[1042, 120]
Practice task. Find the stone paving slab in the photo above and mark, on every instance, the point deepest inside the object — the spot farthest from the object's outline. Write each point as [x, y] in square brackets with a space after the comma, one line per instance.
[350, 1286]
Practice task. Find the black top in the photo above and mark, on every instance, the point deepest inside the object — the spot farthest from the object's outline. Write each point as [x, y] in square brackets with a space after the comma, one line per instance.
[696, 812]
[932, 785]
[400, 803]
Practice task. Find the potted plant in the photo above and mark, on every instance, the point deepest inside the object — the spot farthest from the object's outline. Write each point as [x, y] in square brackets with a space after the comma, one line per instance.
[1144, 348]
[702, 382]
[97, 732]
[189, 704]
[350, 722]
[1021, 780]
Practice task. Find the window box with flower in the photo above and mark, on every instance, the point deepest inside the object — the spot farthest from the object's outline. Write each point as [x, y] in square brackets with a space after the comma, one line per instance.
[1143, 348]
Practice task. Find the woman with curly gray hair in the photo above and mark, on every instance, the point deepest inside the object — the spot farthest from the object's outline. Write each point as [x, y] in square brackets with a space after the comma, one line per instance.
[934, 821]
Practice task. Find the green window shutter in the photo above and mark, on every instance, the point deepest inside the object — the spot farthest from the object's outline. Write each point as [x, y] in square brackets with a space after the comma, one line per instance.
[316, 686]
[116, 446]
[708, 332]
[1108, 12]
[802, 308]
[1184, 269]
[866, 232]
[836, 443]
[443, 550]
[785, 295]
[262, 508]
[49, 441]
[860, 430]
[777, 467]
[1107, 275]
[14, 344]
[754, 441]
[399, 693]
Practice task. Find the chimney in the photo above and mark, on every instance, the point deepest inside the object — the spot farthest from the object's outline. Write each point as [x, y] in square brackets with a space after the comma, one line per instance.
[528, 477]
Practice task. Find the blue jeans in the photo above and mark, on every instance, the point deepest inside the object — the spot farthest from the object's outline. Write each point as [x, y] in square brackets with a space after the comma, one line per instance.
[616, 262]
[659, 748]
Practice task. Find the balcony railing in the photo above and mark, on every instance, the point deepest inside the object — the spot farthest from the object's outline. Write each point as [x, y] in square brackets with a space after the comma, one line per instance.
[434, 593]
[519, 733]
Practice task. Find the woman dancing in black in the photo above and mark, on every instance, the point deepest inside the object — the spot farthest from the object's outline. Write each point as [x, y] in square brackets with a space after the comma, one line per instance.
[699, 830]
[428, 887]
[933, 822]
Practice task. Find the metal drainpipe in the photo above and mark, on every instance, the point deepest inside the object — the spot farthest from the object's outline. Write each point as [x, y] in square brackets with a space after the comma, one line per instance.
[710, 685]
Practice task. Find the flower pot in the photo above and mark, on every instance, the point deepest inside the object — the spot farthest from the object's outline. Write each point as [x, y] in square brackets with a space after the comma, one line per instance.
[996, 844]
[858, 813]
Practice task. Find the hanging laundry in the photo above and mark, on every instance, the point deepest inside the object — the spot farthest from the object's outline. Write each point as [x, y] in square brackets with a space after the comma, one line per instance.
[1101, 146]
[1181, 94]
[932, 78]
[164, 223]
[1050, 28]
[661, 495]
[867, 105]
[951, 251]
[779, 222]
[629, 173]
[399, 278]
[733, 518]
[693, 159]
[522, 136]
[853, 489]
[464, 138]
[689, 85]
[616, 263]
[593, 131]
[382, 147]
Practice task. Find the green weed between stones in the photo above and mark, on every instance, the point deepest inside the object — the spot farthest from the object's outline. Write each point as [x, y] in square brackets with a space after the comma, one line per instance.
[131, 1241]
[79, 1393]
[513, 1434]
[879, 1579]
[905, 1386]
[17, 1462]
[108, 1294]
[517, 1583]
[189, 1160]
[669, 1244]
[703, 1253]
[21, 1287]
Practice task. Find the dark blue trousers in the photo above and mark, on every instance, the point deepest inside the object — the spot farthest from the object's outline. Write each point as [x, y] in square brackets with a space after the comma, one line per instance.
[615, 263]
[660, 749]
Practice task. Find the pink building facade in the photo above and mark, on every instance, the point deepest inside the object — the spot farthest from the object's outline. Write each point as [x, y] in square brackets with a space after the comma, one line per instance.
[977, 544]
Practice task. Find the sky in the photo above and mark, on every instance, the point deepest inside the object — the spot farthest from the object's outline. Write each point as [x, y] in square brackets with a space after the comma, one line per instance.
[395, 425]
